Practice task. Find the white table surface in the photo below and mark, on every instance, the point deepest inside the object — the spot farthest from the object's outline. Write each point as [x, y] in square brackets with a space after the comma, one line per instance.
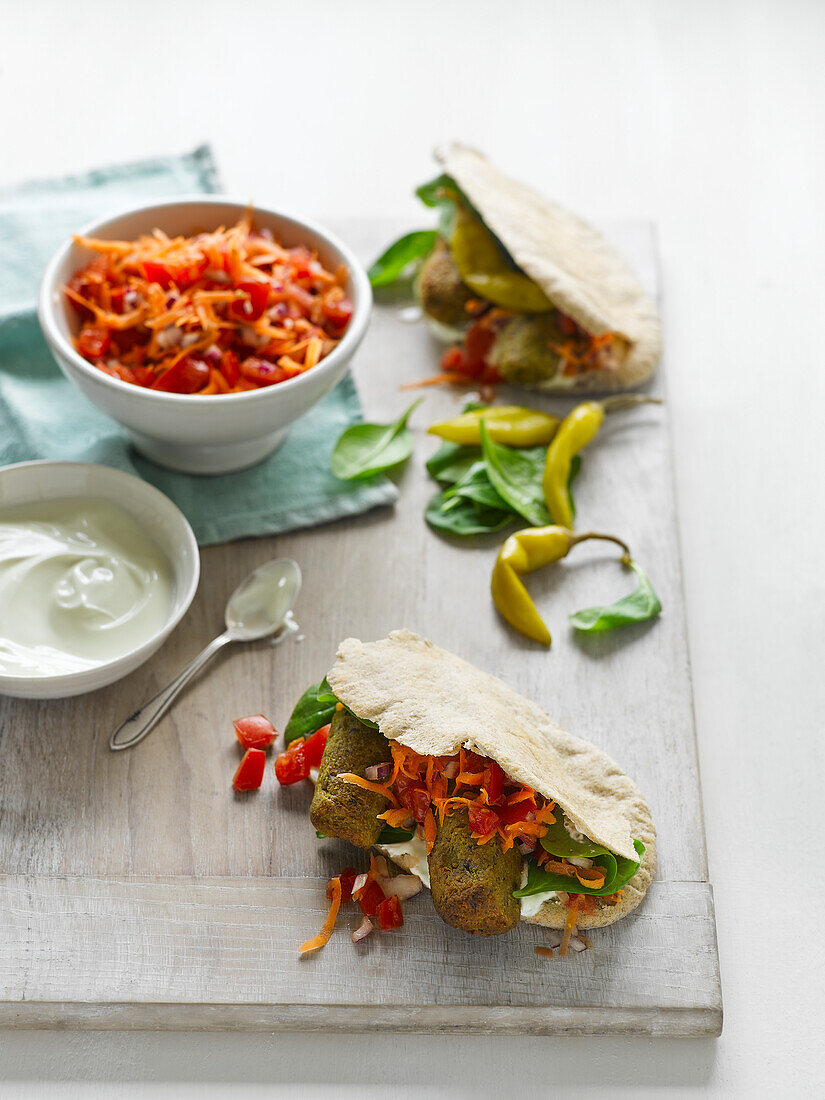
[706, 116]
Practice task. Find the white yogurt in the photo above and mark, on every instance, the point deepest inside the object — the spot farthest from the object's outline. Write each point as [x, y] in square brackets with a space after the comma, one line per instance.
[412, 856]
[80, 585]
[533, 902]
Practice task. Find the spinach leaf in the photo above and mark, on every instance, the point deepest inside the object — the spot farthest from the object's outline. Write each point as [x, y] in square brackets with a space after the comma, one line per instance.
[475, 485]
[408, 249]
[432, 192]
[366, 449]
[558, 842]
[462, 517]
[640, 605]
[390, 835]
[314, 709]
[517, 476]
[618, 872]
[451, 462]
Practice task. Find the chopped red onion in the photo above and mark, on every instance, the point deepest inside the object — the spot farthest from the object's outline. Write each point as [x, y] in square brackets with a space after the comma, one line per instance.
[363, 930]
[450, 769]
[130, 299]
[403, 886]
[359, 884]
[380, 867]
[526, 847]
[213, 355]
[256, 339]
[216, 276]
[189, 339]
[266, 234]
[377, 773]
[170, 337]
[577, 945]
[554, 938]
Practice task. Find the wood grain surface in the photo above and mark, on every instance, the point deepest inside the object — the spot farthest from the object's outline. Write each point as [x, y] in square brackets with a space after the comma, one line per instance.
[138, 891]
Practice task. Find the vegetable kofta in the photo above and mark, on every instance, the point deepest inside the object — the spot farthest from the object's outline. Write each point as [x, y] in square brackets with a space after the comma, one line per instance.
[339, 808]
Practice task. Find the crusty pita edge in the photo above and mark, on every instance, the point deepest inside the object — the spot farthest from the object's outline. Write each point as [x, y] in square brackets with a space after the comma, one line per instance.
[571, 261]
[434, 702]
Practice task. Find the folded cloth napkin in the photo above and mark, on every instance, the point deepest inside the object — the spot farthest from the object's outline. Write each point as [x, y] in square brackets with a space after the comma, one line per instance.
[42, 415]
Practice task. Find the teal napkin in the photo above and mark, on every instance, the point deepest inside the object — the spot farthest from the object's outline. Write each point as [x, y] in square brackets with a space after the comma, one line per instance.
[42, 415]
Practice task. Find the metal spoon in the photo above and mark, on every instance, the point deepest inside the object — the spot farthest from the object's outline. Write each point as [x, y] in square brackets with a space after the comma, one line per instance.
[258, 607]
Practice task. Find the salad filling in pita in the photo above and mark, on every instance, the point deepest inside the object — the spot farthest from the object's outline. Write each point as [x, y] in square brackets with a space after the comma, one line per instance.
[474, 789]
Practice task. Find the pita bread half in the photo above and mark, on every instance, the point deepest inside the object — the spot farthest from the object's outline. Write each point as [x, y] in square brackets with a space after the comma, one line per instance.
[434, 702]
[573, 264]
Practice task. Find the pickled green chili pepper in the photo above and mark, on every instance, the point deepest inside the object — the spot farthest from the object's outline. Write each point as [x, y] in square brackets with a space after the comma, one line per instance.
[514, 425]
[522, 553]
[578, 429]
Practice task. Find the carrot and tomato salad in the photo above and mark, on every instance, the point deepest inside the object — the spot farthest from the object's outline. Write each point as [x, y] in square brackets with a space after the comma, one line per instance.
[214, 313]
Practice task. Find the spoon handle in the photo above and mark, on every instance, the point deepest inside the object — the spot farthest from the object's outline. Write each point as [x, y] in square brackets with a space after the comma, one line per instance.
[143, 721]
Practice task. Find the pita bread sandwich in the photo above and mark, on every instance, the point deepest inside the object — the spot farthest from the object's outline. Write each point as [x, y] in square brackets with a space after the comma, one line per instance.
[533, 294]
[475, 790]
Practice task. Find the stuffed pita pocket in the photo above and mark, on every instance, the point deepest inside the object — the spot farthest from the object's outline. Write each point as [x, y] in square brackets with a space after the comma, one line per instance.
[503, 814]
[534, 293]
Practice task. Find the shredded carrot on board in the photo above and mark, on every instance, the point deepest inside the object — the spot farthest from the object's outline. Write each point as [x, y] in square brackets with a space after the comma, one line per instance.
[319, 941]
[547, 952]
[569, 924]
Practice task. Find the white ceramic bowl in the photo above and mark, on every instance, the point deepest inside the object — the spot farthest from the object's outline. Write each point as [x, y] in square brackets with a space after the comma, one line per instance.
[163, 522]
[201, 435]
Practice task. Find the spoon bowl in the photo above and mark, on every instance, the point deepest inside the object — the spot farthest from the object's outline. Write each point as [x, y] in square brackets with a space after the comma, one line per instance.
[261, 602]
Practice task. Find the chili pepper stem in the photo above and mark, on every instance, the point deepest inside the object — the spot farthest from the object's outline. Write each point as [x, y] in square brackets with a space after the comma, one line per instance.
[626, 557]
[628, 401]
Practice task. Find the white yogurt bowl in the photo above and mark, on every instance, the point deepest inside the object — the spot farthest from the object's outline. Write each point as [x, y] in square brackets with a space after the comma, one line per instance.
[159, 518]
[212, 434]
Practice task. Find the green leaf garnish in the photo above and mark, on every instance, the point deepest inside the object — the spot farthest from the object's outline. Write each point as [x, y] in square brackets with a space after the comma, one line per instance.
[558, 842]
[390, 835]
[407, 250]
[462, 517]
[363, 450]
[618, 872]
[475, 485]
[640, 605]
[312, 711]
[516, 475]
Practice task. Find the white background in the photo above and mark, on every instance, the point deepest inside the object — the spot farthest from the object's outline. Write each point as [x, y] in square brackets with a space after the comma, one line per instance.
[705, 115]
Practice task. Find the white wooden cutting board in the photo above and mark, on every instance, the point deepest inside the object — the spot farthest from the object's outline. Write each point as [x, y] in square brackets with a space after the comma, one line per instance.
[137, 891]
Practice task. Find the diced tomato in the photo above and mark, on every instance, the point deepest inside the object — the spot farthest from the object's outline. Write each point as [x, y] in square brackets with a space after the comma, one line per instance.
[389, 914]
[371, 897]
[347, 879]
[154, 272]
[262, 372]
[567, 324]
[188, 375]
[478, 341]
[337, 311]
[493, 782]
[292, 766]
[144, 376]
[315, 745]
[252, 307]
[412, 797]
[255, 732]
[518, 811]
[250, 773]
[455, 362]
[118, 370]
[117, 295]
[93, 341]
[482, 820]
[230, 367]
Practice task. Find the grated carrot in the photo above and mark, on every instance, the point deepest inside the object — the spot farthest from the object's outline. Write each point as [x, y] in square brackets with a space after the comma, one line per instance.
[319, 941]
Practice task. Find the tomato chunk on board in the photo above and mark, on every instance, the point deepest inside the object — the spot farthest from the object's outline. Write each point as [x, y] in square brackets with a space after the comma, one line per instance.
[255, 732]
[371, 898]
[250, 773]
[291, 766]
[389, 914]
